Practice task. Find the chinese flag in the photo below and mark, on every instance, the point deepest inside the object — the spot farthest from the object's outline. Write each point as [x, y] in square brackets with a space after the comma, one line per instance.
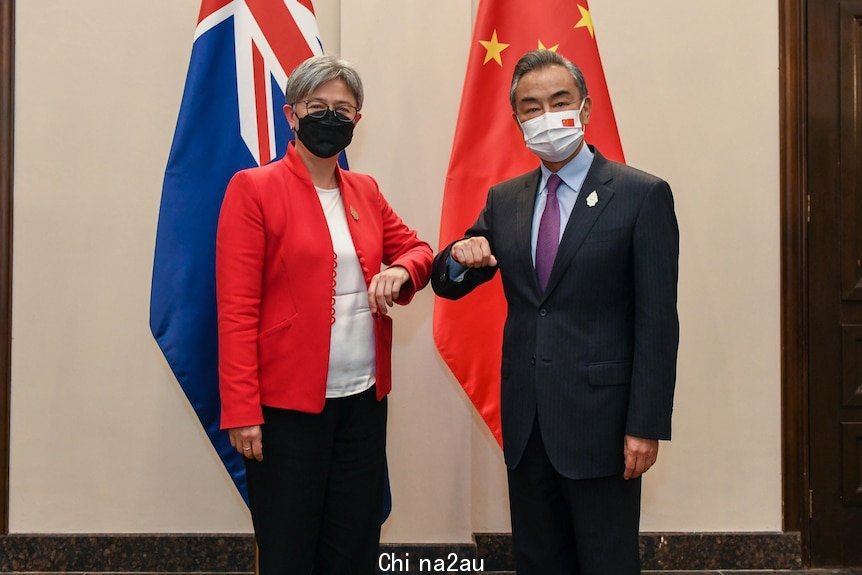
[488, 149]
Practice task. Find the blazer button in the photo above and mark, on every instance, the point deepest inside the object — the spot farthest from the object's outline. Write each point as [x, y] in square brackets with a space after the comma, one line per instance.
[543, 312]
[332, 321]
[533, 360]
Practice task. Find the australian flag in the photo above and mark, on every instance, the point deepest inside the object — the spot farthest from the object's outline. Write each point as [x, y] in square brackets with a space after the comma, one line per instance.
[230, 119]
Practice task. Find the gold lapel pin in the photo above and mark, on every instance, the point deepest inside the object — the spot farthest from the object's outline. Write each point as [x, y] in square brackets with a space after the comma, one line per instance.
[354, 213]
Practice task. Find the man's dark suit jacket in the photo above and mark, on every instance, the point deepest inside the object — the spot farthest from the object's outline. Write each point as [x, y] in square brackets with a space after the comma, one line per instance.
[595, 354]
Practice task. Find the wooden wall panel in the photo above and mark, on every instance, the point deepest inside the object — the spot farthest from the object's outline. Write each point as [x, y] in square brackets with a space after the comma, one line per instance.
[851, 364]
[852, 456]
[794, 406]
[7, 66]
[850, 78]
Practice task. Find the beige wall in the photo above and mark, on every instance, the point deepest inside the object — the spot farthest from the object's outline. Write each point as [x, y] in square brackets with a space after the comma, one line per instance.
[104, 441]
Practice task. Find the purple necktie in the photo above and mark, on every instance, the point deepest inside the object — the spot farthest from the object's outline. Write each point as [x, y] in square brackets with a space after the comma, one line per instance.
[549, 233]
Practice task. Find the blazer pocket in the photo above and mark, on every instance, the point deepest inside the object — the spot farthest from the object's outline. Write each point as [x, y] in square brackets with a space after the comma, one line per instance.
[610, 373]
[283, 324]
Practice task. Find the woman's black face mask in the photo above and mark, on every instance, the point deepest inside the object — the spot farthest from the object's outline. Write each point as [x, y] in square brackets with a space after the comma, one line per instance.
[325, 137]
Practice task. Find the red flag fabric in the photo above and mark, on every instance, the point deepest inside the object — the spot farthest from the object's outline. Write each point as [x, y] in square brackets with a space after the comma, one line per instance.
[488, 149]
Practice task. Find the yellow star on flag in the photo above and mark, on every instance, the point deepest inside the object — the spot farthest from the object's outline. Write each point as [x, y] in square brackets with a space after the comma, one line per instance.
[586, 21]
[493, 49]
[551, 49]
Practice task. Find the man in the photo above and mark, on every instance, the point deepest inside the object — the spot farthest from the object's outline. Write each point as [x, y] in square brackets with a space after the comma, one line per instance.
[588, 253]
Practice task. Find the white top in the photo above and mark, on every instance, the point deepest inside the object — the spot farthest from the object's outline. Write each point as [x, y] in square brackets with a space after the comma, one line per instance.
[352, 365]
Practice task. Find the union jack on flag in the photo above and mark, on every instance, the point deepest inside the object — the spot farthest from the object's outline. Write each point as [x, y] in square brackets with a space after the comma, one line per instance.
[230, 119]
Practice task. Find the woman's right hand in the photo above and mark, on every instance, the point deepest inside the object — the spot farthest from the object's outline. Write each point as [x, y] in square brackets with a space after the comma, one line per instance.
[248, 441]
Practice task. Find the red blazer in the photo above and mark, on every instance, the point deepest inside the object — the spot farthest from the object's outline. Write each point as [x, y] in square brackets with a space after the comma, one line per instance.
[275, 285]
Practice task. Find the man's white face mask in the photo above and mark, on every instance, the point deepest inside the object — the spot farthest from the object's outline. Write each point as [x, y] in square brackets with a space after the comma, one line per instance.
[554, 136]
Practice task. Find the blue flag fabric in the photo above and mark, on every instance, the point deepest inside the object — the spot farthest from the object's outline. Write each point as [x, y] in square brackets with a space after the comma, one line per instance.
[230, 119]
[206, 152]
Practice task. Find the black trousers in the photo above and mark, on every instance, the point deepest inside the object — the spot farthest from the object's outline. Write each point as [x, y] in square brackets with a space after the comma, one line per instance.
[563, 526]
[316, 498]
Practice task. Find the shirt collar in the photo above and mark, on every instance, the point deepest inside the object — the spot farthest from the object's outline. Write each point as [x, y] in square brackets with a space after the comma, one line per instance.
[573, 173]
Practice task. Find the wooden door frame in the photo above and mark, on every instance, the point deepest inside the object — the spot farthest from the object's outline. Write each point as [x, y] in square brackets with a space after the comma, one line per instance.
[7, 125]
[794, 256]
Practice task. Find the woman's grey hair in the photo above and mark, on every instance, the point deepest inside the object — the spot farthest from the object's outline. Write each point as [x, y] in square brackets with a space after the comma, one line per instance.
[538, 59]
[317, 71]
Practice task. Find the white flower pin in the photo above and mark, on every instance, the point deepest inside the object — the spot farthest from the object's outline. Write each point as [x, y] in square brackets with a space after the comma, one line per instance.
[592, 199]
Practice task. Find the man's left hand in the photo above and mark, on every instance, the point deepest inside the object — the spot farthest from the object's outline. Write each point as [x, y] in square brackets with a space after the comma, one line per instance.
[640, 455]
[385, 287]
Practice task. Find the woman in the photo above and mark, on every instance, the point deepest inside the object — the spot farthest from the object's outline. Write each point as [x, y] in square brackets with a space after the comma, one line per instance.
[304, 336]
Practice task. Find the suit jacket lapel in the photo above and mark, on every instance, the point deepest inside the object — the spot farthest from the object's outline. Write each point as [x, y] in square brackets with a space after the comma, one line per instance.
[526, 201]
[582, 218]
